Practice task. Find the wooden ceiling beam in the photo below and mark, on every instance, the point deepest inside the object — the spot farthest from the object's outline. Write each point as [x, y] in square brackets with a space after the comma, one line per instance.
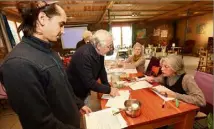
[109, 6]
[124, 20]
[80, 22]
[113, 11]
[120, 18]
[176, 11]
[80, 5]
[112, 15]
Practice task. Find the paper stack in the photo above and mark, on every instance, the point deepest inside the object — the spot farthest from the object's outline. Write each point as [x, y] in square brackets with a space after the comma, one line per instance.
[140, 85]
[121, 70]
[104, 119]
[118, 101]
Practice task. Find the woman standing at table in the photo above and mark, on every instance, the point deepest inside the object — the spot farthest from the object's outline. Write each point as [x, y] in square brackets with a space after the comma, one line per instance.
[182, 85]
[137, 60]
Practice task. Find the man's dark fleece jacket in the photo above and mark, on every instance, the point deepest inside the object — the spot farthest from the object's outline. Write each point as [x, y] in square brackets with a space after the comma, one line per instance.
[85, 68]
[37, 87]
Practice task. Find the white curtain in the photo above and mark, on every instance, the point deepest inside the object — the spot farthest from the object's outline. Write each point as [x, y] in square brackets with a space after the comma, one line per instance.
[4, 39]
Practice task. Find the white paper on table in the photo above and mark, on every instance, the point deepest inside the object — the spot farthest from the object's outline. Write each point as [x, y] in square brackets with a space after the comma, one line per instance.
[141, 79]
[124, 93]
[159, 89]
[130, 70]
[104, 119]
[118, 101]
[111, 70]
[140, 85]
[121, 70]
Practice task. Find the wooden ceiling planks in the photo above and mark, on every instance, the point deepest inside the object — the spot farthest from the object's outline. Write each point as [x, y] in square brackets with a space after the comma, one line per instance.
[88, 11]
[183, 8]
[109, 6]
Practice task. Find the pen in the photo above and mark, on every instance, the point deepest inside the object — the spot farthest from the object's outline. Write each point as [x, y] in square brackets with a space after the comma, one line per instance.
[115, 113]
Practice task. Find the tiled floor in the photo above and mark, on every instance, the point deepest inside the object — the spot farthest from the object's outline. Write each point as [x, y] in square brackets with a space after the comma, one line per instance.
[9, 120]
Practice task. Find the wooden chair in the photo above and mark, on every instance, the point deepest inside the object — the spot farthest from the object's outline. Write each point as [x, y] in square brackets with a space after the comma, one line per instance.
[151, 70]
[205, 63]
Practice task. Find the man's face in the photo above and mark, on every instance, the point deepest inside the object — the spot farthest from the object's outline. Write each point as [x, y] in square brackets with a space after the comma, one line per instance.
[103, 50]
[54, 26]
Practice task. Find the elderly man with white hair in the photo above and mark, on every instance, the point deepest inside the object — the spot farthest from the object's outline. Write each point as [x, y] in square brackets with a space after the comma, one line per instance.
[182, 85]
[87, 66]
[86, 39]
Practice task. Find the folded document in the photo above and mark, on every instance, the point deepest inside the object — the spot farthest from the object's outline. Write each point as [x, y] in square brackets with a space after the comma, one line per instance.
[160, 88]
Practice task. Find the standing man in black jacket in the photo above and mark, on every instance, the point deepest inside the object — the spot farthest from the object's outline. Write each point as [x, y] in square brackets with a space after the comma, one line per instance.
[35, 81]
[87, 66]
[86, 39]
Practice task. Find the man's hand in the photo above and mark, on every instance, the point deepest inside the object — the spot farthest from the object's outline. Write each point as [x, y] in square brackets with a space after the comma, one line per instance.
[114, 92]
[85, 110]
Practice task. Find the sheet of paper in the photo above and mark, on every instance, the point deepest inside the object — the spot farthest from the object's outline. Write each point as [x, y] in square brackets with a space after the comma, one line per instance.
[118, 101]
[141, 79]
[124, 93]
[104, 119]
[160, 88]
[122, 70]
[130, 70]
[140, 85]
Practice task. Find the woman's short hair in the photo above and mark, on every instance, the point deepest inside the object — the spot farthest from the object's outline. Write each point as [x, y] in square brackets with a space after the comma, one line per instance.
[175, 62]
[86, 34]
[30, 10]
[100, 37]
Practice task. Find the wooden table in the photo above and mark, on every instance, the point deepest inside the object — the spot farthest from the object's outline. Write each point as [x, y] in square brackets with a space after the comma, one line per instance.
[154, 116]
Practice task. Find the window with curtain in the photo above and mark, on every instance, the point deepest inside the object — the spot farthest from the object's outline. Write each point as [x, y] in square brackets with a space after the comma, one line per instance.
[122, 36]
[13, 29]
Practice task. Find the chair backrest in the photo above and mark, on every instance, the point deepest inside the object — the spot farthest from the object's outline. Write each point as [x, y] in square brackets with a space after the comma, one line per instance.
[153, 62]
[205, 83]
[155, 70]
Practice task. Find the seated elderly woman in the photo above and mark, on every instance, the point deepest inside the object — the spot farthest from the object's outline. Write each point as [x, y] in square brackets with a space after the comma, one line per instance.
[182, 85]
[137, 60]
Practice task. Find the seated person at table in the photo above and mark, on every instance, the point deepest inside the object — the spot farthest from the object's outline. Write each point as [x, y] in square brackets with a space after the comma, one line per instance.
[182, 85]
[86, 39]
[137, 60]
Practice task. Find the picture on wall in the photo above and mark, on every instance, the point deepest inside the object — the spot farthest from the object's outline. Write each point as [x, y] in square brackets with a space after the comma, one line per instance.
[156, 32]
[200, 28]
[164, 33]
[141, 34]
